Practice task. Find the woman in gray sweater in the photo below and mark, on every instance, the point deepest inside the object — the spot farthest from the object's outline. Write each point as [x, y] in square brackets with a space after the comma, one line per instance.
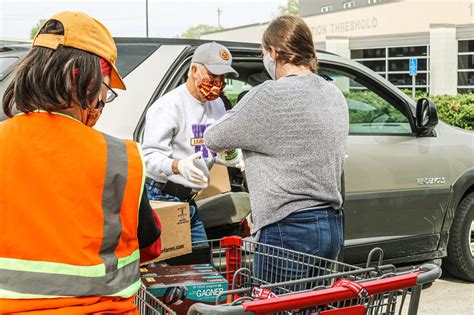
[293, 134]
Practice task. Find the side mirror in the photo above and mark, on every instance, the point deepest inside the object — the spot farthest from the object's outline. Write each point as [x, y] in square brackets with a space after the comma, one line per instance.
[426, 117]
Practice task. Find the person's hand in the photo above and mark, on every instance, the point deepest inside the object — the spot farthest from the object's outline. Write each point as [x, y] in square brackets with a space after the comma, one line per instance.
[241, 165]
[189, 171]
[231, 159]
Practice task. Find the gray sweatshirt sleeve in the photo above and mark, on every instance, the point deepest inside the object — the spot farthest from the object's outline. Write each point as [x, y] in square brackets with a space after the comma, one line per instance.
[160, 125]
[239, 127]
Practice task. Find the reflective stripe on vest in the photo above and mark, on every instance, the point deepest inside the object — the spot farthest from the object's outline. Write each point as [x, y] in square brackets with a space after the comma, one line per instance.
[60, 280]
[26, 279]
[114, 188]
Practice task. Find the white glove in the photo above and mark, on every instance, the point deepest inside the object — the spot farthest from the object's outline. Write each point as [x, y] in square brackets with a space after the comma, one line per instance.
[189, 171]
[241, 165]
[232, 158]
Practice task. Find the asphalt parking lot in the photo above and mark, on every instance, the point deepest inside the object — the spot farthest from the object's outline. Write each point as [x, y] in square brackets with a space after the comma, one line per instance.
[447, 295]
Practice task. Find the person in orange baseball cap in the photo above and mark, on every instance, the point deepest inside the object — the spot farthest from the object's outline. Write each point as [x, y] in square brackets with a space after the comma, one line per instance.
[75, 220]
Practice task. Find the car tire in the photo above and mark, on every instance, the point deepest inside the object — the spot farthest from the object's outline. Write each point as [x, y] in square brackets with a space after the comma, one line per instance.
[460, 260]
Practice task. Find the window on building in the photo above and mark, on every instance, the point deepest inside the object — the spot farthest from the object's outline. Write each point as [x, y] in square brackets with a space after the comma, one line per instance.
[392, 63]
[348, 4]
[326, 8]
[466, 46]
[368, 53]
[410, 51]
[466, 61]
[403, 65]
[376, 65]
[374, 58]
[466, 66]
[466, 78]
[373, 1]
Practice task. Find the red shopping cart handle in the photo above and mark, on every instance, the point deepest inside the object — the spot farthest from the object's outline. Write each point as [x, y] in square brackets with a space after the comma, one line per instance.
[197, 309]
[427, 273]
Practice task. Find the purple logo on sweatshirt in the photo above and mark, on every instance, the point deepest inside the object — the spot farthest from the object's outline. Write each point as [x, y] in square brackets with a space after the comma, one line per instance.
[198, 140]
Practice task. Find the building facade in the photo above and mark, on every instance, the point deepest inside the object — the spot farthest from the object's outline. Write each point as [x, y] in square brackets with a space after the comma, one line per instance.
[384, 35]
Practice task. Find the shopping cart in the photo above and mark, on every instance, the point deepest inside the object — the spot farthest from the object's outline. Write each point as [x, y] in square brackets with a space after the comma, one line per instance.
[147, 304]
[265, 279]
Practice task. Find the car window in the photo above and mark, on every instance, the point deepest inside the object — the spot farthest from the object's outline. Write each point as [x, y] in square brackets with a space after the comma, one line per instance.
[236, 89]
[369, 112]
[6, 66]
[9, 56]
[131, 55]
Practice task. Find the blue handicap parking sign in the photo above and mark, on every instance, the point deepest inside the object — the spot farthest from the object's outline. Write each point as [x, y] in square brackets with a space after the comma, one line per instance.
[413, 66]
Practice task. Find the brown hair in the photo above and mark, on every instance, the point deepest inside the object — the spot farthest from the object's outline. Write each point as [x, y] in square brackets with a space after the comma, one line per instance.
[292, 40]
[44, 78]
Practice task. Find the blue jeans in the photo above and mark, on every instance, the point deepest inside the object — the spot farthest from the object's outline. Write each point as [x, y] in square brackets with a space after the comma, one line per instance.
[198, 233]
[318, 233]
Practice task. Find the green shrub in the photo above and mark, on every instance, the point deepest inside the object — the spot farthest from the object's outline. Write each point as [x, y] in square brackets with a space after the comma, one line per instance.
[455, 110]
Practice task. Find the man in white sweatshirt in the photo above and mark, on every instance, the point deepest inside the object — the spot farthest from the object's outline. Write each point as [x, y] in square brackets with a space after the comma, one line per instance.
[173, 144]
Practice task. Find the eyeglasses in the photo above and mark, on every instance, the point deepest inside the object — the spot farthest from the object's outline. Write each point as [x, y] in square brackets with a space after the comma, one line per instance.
[111, 94]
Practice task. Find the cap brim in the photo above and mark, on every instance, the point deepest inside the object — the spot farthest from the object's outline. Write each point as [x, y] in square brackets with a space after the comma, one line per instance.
[222, 69]
[116, 80]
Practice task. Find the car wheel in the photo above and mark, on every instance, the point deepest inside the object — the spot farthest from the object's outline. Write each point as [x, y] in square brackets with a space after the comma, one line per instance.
[460, 260]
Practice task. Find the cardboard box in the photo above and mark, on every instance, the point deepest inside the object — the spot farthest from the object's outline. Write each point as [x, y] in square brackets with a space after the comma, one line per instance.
[180, 292]
[182, 270]
[176, 228]
[219, 182]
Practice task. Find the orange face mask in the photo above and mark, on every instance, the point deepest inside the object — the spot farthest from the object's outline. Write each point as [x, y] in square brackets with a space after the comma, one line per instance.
[211, 89]
[94, 114]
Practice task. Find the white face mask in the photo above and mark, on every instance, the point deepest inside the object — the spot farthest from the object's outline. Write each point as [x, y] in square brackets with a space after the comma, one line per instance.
[270, 65]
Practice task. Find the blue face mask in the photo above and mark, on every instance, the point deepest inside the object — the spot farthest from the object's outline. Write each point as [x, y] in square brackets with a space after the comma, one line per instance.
[270, 65]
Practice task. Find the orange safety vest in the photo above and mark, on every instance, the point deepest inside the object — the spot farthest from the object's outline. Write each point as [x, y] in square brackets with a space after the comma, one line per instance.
[69, 199]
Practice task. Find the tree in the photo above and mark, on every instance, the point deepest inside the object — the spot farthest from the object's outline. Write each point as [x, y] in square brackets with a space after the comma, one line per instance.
[292, 7]
[36, 28]
[198, 30]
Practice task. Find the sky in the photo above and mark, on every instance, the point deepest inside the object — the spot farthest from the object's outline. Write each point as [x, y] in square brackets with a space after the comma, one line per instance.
[167, 18]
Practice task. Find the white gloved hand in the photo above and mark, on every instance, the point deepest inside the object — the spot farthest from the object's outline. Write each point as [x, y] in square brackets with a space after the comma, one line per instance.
[232, 158]
[241, 165]
[189, 171]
